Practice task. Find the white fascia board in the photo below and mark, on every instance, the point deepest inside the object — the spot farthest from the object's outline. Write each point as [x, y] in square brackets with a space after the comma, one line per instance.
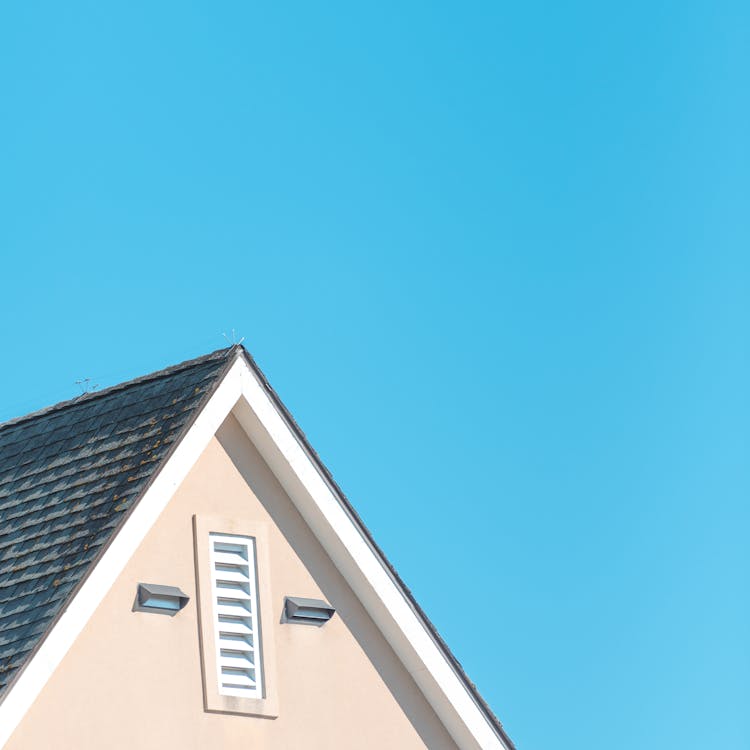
[363, 568]
[28, 685]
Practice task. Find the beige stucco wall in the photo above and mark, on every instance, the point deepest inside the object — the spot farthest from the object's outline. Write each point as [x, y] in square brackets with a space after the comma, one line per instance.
[133, 680]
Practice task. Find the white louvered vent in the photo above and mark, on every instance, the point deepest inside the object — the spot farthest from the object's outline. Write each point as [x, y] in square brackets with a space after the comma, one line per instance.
[235, 604]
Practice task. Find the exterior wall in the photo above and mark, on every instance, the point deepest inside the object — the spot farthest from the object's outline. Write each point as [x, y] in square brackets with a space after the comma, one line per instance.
[133, 680]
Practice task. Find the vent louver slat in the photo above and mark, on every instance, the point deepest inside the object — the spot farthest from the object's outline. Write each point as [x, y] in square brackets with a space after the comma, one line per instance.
[235, 604]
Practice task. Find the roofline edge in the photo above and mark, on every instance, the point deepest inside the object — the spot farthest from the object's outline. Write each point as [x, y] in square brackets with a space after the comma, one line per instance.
[493, 720]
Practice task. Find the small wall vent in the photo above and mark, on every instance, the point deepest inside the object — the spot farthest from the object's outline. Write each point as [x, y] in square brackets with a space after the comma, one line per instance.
[153, 597]
[297, 609]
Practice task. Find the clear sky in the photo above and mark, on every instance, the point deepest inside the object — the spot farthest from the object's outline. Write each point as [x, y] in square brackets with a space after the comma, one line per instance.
[495, 257]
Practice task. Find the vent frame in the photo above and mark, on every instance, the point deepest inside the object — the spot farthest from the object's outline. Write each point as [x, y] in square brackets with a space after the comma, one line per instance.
[266, 706]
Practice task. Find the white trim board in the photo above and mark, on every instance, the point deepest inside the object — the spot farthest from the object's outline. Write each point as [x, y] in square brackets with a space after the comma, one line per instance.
[242, 393]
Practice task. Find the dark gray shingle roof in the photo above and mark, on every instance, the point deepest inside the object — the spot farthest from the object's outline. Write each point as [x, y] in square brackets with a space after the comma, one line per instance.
[68, 476]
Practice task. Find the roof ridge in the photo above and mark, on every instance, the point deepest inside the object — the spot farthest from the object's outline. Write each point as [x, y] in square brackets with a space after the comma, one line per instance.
[188, 364]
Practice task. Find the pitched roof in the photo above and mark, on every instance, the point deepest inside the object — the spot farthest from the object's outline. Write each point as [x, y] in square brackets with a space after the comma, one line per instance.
[70, 473]
[68, 476]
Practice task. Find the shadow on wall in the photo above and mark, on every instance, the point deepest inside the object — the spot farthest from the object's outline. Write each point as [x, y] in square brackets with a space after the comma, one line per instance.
[267, 489]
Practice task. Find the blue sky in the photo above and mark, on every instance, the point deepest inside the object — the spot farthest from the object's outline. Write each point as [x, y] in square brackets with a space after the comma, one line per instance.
[494, 257]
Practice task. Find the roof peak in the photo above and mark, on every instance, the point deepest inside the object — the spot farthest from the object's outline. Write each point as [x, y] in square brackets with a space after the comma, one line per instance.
[217, 355]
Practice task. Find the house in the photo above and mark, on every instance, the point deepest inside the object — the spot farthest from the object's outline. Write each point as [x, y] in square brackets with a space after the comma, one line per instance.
[179, 570]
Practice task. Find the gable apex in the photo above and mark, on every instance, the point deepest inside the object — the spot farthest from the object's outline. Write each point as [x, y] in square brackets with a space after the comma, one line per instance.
[238, 387]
